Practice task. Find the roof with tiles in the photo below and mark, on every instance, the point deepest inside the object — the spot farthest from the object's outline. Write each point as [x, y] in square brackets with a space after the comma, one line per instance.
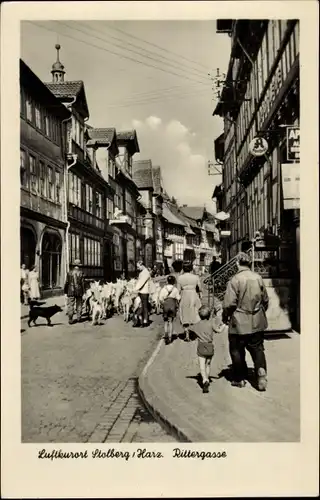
[142, 174]
[100, 135]
[65, 89]
[129, 138]
[171, 217]
[195, 213]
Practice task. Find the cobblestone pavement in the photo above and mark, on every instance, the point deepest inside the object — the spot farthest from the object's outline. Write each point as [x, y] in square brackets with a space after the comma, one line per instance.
[79, 383]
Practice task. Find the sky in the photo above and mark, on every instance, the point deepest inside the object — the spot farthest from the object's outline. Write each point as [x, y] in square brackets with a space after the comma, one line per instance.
[152, 76]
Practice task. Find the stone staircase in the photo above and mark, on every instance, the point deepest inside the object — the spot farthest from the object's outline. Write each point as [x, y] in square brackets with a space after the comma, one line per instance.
[279, 291]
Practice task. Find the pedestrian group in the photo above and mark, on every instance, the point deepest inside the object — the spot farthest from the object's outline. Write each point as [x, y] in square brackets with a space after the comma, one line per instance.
[241, 316]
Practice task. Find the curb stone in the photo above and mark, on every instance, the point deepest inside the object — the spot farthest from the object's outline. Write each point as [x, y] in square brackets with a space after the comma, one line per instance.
[146, 394]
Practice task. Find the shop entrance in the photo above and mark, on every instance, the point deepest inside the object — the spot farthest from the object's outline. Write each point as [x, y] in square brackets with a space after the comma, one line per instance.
[28, 247]
[51, 261]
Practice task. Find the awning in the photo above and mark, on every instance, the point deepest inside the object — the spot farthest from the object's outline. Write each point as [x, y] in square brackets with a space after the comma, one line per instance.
[170, 217]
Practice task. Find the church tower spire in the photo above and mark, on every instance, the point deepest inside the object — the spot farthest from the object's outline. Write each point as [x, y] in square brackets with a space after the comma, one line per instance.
[57, 68]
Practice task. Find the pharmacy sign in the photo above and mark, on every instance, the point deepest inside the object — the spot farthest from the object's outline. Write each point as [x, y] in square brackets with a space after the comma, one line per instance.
[293, 143]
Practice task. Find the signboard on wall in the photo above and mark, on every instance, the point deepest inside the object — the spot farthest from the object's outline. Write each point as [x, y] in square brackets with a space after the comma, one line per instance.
[293, 143]
[291, 185]
[258, 146]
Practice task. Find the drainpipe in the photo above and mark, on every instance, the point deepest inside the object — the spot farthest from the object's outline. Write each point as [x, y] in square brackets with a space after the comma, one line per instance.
[66, 190]
[66, 183]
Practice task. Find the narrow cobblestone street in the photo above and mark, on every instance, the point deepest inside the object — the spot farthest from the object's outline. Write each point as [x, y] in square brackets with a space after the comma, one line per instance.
[79, 383]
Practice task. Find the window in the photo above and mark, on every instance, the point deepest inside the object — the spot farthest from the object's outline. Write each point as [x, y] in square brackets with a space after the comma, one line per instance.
[23, 169]
[73, 130]
[99, 205]
[38, 116]
[29, 109]
[50, 183]
[260, 72]
[129, 163]
[74, 189]
[109, 209]
[274, 200]
[264, 59]
[111, 166]
[33, 173]
[92, 252]
[74, 247]
[271, 47]
[118, 201]
[22, 102]
[42, 179]
[89, 199]
[47, 126]
[266, 202]
[58, 187]
[179, 251]
[276, 36]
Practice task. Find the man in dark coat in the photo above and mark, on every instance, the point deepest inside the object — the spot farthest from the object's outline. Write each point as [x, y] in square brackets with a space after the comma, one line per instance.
[74, 288]
[214, 266]
[244, 309]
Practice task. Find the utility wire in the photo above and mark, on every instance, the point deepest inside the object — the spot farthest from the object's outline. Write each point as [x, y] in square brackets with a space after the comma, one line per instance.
[184, 66]
[204, 78]
[157, 100]
[157, 46]
[116, 54]
[159, 93]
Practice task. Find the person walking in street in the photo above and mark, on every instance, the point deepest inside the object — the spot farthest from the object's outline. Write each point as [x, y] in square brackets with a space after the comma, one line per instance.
[205, 331]
[214, 266]
[24, 284]
[169, 298]
[190, 289]
[74, 289]
[143, 289]
[34, 283]
[244, 309]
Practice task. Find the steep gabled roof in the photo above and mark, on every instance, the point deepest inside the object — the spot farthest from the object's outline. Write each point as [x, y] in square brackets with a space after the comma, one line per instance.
[142, 174]
[171, 217]
[100, 136]
[69, 90]
[128, 138]
[65, 89]
[195, 213]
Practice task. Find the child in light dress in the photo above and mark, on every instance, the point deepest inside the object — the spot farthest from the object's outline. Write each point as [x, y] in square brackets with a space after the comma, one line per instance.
[169, 298]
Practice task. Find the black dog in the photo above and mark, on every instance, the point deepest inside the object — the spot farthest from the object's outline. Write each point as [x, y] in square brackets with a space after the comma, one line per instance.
[43, 312]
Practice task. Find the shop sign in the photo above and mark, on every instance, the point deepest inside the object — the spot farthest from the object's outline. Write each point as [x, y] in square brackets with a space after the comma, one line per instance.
[258, 146]
[293, 143]
[291, 185]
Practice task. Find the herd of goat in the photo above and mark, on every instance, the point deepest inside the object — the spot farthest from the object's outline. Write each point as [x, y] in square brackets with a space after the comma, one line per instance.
[103, 300]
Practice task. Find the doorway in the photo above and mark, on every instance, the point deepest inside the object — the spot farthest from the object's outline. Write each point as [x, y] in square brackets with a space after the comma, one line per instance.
[51, 261]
